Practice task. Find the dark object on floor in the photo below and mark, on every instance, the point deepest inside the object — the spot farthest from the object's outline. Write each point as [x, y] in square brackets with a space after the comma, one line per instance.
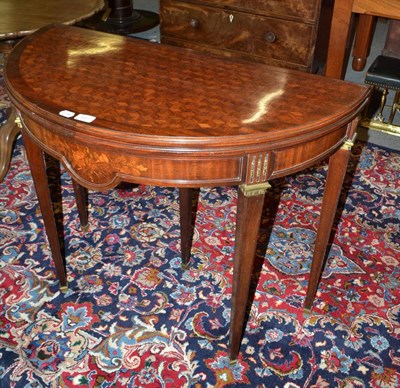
[119, 17]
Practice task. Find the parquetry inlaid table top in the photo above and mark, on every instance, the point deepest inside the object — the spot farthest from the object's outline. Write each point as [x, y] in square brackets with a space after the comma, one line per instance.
[170, 116]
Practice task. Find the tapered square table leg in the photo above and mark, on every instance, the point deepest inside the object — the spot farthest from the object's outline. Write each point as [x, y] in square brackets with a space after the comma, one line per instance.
[185, 213]
[81, 204]
[249, 210]
[36, 159]
[333, 186]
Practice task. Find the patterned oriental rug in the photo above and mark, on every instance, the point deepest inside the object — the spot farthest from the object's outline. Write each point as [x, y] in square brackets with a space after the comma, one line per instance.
[133, 318]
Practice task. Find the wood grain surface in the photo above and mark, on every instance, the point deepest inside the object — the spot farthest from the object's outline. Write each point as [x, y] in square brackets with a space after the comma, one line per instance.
[383, 8]
[20, 17]
[285, 33]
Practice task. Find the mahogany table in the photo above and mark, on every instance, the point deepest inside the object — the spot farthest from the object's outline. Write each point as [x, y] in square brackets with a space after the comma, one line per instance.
[343, 12]
[170, 116]
[20, 18]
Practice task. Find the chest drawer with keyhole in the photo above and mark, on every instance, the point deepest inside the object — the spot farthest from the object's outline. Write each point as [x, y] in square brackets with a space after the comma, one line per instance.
[282, 33]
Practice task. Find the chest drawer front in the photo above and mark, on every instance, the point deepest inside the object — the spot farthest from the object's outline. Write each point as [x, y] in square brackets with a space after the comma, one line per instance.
[237, 31]
[297, 9]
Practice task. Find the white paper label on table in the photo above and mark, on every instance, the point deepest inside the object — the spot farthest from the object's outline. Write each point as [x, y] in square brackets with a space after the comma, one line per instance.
[85, 118]
[67, 113]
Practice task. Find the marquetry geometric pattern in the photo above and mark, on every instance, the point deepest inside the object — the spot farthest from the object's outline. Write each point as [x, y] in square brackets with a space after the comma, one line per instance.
[155, 96]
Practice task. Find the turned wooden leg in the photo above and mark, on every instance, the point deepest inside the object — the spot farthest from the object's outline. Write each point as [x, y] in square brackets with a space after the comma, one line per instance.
[185, 208]
[334, 181]
[249, 210]
[8, 133]
[81, 204]
[363, 40]
[38, 169]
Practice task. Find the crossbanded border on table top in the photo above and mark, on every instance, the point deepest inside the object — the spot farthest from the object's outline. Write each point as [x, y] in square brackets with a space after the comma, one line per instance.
[142, 88]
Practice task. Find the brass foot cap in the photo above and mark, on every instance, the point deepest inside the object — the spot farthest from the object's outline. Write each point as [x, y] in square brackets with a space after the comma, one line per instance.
[185, 266]
[85, 228]
[64, 289]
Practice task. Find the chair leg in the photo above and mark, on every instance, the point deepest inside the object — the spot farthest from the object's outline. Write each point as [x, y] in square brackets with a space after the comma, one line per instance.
[81, 203]
[379, 115]
[395, 107]
[186, 206]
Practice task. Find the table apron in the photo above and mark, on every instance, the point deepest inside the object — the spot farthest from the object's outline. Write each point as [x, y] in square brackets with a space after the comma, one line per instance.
[98, 167]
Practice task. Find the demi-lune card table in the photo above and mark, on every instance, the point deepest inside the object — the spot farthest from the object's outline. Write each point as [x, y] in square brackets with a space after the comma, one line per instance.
[170, 116]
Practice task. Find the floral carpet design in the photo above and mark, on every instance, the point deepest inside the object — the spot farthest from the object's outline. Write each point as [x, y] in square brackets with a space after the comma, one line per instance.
[132, 317]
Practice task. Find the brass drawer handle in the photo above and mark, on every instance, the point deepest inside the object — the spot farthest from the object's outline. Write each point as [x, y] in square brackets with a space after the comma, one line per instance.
[194, 22]
[270, 37]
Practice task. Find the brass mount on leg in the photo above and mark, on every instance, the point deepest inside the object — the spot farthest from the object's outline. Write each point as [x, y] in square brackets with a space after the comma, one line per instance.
[348, 144]
[256, 189]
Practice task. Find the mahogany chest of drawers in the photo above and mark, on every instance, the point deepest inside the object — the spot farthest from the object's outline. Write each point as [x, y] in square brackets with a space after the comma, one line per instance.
[286, 33]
